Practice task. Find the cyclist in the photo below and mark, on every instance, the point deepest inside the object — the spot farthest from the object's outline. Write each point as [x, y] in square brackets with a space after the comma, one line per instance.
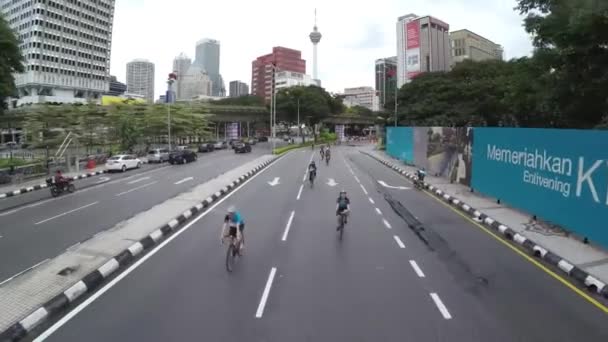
[322, 151]
[342, 204]
[233, 220]
[327, 155]
[420, 174]
[312, 170]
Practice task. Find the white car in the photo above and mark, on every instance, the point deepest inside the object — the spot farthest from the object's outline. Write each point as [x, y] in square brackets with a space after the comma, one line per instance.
[123, 162]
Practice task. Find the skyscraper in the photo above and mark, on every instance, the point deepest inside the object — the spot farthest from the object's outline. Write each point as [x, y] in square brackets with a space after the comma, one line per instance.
[140, 78]
[283, 59]
[423, 45]
[470, 45]
[386, 79]
[181, 64]
[238, 88]
[315, 38]
[116, 88]
[66, 46]
[207, 56]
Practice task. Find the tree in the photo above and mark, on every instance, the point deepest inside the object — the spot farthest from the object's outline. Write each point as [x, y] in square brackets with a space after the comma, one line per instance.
[246, 100]
[11, 62]
[315, 104]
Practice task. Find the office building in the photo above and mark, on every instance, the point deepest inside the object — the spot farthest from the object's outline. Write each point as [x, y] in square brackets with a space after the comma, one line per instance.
[116, 88]
[423, 45]
[470, 45]
[386, 79]
[194, 83]
[207, 57]
[66, 48]
[140, 78]
[286, 79]
[238, 88]
[361, 96]
[181, 64]
[281, 58]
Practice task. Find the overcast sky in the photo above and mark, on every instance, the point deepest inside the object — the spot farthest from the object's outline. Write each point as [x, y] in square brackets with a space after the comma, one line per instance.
[355, 32]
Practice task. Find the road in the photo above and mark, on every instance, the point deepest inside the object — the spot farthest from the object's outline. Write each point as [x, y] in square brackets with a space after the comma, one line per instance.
[34, 232]
[298, 282]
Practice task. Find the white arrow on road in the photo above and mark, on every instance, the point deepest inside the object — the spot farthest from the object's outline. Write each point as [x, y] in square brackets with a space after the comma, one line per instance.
[102, 180]
[274, 182]
[392, 187]
[331, 182]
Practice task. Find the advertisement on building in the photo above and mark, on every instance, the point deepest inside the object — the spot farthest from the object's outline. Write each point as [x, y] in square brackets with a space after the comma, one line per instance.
[412, 48]
[559, 175]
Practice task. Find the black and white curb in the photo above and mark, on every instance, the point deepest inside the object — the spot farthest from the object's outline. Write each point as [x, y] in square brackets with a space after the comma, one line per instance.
[94, 279]
[44, 185]
[590, 282]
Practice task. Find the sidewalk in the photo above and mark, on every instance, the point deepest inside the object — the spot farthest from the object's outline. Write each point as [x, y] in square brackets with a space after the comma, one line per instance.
[12, 189]
[586, 263]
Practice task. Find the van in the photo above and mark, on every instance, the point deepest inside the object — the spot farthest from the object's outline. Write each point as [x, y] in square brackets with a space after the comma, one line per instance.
[158, 155]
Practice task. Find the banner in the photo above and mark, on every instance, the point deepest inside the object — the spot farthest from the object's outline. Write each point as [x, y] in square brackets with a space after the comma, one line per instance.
[340, 132]
[232, 130]
[559, 175]
[412, 48]
[400, 143]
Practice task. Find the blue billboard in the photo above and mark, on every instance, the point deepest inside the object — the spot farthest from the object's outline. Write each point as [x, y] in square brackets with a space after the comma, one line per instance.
[400, 143]
[559, 175]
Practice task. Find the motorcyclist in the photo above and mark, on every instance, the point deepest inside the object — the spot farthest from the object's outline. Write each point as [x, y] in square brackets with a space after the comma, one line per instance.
[61, 181]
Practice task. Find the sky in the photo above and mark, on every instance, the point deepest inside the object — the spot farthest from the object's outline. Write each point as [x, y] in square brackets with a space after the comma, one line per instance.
[355, 33]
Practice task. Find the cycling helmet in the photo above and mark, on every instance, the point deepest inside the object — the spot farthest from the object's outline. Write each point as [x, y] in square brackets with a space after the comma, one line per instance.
[342, 192]
[231, 209]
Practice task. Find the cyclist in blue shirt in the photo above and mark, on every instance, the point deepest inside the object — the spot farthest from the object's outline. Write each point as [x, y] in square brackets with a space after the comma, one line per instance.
[233, 220]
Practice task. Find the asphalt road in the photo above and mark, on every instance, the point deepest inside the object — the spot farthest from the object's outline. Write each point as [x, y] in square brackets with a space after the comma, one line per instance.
[298, 282]
[29, 234]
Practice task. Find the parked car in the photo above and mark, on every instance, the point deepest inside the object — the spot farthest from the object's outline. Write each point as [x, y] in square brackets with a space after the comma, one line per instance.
[158, 155]
[252, 141]
[181, 148]
[207, 146]
[220, 145]
[232, 142]
[123, 162]
[242, 147]
[182, 157]
[263, 139]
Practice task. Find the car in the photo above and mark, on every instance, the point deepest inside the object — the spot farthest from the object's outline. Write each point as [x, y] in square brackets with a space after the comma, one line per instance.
[207, 146]
[232, 142]
[182, 157]
[181, 148]
[123, 162]
[242, 147]
[263, 139]
[158, 155]
[220, 145]
[252, 141]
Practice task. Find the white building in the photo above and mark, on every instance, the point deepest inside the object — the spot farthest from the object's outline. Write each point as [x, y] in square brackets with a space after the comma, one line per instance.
[66, 46]
[181, 64]
[286, 79]
[194, 83]
[140, 78]
[361, 96]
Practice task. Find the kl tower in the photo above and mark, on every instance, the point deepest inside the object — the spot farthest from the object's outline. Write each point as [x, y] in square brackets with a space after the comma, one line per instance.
[315, 38]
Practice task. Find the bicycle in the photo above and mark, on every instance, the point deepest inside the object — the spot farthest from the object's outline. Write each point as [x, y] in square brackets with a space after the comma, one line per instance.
[342, 223]
[418, 184]
[311, 177]
[327, 159]
[232, 253]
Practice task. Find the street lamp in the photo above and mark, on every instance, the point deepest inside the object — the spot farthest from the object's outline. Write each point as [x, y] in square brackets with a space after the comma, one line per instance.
[170, 81]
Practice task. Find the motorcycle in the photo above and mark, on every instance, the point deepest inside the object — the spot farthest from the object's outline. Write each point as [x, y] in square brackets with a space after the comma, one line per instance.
[58, 189]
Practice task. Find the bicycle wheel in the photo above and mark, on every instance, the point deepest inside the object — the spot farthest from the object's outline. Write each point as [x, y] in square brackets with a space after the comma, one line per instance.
[341, 226]
[230, 257]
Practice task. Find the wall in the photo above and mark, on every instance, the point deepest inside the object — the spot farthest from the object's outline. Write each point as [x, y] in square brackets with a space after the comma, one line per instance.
[400, 143]
[559, 175]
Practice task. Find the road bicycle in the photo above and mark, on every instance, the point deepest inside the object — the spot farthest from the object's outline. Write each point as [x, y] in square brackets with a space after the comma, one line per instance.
[342, 224]
[233, 253]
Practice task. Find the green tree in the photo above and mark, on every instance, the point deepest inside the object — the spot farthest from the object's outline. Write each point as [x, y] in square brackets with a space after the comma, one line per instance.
[11, 61]
[315, 104]
[246, 100]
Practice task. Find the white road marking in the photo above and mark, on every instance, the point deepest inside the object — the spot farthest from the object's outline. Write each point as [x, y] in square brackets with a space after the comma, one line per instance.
[184, 180]
[138, 180]
[416, 268]
[371, 200]
[357, 179]
[304, 178]
[388, 225]
[399, 242]
[67, 212]
[300, 191]
[136, 188]
[9, 212]
[288, 225]
[378, 211]
[260, 311]
[143, 259]
[444, 311]
[363, 188]
[25, 270]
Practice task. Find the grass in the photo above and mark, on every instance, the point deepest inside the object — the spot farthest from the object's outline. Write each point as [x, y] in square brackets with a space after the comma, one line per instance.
[5, 163]
[284, 149]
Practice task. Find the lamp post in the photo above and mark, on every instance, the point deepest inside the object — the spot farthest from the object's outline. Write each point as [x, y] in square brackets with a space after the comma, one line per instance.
[168, 99]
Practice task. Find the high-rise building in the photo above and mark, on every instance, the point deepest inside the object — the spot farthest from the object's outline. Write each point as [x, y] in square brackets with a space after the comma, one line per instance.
[238, 88]
[315, 38]
[207, 56]
[281, 58]
[116, 88]
[470, 45]
[361, 96]
[386, 80]
[181, 64]
[194, 83]
[423, 45]
[140, 78]
[286, 79]
[66, 46]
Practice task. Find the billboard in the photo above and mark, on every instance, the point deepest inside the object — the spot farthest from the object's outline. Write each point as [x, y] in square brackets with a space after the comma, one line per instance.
[400, 143]
[107, 100]
[412, 48]
[559, 175]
